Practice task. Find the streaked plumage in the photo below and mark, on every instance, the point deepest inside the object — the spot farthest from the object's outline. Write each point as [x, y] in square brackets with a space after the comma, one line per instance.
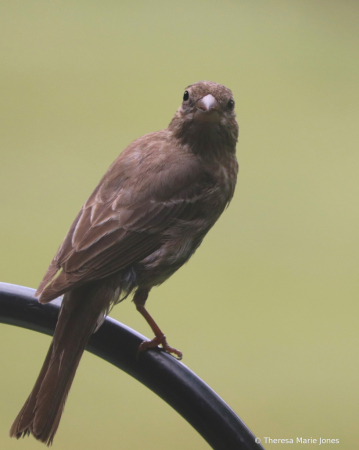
[145, 219]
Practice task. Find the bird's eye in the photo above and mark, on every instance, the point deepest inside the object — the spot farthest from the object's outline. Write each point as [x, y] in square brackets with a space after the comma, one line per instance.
[230, 104]
[185, 96]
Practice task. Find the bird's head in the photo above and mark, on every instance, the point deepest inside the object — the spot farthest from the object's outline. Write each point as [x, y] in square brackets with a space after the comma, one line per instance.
[206, 116]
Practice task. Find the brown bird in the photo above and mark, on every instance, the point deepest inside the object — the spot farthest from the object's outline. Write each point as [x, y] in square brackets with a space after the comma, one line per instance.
[144, 220]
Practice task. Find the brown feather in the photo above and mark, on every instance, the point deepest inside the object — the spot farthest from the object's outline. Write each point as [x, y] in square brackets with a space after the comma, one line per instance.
[118, 241]
[144, 220]
[81, 310]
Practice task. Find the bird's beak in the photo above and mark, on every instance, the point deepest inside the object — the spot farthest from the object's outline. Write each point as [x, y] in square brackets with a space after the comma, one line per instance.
[207, 110]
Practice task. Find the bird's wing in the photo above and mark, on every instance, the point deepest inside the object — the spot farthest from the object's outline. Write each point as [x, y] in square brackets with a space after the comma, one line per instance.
[124, 219]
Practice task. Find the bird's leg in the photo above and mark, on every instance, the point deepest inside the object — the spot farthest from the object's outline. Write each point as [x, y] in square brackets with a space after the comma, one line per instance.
[159, 339]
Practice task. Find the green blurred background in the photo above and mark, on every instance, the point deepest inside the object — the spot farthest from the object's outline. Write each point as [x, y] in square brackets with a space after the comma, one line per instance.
[266, 311]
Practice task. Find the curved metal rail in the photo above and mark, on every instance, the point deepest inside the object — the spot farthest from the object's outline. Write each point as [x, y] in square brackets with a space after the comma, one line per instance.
[171, 380]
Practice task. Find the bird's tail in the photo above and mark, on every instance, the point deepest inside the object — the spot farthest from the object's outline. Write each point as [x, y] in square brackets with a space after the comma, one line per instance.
[81, 311]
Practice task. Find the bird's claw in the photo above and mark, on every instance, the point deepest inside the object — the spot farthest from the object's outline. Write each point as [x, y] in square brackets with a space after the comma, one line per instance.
[155, 342]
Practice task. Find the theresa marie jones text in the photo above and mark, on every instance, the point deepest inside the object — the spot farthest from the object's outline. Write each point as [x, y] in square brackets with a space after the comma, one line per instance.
[299, 440]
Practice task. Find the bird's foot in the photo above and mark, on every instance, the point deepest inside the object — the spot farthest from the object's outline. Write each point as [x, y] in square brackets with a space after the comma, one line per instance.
[159, 340]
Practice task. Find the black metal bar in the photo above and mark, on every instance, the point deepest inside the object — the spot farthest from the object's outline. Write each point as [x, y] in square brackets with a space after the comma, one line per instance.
[160, 372]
